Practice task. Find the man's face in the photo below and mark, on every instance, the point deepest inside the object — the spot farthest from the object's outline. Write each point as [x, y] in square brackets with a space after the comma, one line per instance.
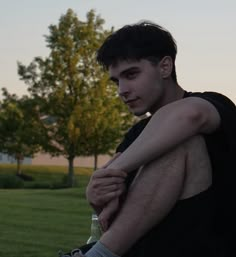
[139, 85]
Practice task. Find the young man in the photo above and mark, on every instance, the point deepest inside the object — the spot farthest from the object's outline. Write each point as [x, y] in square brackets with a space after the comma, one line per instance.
[178, 198]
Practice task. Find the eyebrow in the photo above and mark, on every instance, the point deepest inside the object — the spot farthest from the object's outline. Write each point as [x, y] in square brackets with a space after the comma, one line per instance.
[124, 72]
[113, 79]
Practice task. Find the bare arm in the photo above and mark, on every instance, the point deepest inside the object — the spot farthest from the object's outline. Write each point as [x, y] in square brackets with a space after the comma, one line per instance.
[161, 184]
[169, 126]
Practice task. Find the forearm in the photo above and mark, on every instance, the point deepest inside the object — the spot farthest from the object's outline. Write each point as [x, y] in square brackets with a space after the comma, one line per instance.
[169, 126]
[164, 178]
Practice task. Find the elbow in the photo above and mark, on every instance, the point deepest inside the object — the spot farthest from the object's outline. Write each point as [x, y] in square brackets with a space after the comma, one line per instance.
[197, 119]
[202, 116]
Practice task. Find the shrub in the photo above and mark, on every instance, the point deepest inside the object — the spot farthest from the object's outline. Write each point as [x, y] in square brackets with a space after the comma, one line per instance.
[63, 183]
[10, 181]
[37, 185]
[25, 177]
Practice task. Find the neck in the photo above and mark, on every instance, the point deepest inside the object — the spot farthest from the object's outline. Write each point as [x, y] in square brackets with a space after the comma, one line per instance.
[173, 93]
[176, 94]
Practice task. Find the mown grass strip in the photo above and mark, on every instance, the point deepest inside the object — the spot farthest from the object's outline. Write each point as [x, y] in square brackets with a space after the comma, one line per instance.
[38, 223]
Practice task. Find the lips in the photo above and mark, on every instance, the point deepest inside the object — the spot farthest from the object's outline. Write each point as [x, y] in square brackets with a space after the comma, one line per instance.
[130, 101]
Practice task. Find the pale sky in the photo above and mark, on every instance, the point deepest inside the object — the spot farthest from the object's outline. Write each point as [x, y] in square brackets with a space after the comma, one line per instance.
[205, 31]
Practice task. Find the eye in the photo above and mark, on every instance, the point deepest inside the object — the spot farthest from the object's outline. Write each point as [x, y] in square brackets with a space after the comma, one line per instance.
[132, 74]
[115, 81]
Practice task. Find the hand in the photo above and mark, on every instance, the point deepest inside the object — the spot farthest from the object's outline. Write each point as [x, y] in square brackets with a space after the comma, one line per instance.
[105, 217]
[105, 184]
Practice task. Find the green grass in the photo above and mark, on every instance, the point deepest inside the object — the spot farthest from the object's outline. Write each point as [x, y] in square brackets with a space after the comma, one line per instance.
[38, 223]
[45, 176]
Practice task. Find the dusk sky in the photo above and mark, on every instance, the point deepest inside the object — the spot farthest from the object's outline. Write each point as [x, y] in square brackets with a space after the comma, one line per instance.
[205, 31]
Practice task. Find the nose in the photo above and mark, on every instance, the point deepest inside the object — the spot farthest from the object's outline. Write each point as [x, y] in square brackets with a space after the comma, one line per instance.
[123, 89]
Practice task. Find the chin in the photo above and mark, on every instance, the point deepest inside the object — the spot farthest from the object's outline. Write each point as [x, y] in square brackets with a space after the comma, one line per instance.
[138, 112]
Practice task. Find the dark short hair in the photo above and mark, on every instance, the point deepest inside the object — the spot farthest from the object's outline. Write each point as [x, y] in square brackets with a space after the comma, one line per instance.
[144, 40]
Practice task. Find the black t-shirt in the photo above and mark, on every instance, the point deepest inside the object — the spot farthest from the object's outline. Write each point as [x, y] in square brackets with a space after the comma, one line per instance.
[200, 226]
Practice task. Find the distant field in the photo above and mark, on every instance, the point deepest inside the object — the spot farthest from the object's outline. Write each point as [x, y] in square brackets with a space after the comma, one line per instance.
[44, 176]
[47, 170]
[39, 222]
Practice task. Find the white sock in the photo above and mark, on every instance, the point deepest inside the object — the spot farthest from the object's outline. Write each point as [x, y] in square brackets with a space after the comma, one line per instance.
[99, 250]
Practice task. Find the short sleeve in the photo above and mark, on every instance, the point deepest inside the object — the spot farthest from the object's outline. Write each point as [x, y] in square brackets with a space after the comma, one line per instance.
[132, 134]
[227, 111]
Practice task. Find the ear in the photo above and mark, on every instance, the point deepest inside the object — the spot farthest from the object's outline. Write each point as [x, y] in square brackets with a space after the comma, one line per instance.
[166, 66]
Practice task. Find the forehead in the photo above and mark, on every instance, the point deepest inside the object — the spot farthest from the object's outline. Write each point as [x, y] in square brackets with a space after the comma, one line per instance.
[123, 65]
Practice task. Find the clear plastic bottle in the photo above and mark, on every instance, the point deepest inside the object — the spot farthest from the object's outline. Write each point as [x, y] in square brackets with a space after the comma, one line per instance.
[95, 230]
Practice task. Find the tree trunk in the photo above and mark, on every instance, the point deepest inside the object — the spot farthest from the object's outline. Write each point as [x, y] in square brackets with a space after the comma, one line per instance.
[95, 161]
[18, 168]
[71, 179]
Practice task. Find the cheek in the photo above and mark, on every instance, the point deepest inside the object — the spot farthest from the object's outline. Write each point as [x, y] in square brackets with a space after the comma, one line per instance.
[150, 86]
[147, 84]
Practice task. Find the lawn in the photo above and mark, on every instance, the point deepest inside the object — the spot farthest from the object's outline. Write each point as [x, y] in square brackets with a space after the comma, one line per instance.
[40, 222]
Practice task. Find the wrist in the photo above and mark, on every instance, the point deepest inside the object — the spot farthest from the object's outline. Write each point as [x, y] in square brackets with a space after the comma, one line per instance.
[96, 208]
[117, 165]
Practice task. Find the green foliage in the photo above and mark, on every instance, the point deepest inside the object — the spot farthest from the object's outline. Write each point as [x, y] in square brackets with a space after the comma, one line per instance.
[19, 129]
[73, 93]
[10, 181]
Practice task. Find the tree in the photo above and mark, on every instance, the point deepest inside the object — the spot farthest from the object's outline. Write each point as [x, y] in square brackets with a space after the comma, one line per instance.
[73, 92]
[19, 130]
[111, 122]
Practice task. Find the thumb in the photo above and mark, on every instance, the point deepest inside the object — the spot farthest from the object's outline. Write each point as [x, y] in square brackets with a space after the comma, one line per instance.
[111, 160]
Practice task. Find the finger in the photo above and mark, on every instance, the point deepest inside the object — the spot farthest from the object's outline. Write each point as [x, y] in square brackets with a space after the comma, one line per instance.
[102, 197]
[111, 160]
[111, 195]
[103, 223]
[108, 173]
[111, 188]
[107, 213]
[109, 181]
[103, 220]
[101, 184]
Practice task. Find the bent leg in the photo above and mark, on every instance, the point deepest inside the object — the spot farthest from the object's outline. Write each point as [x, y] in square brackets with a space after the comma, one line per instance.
[198, 167]
[181, 173]
[153, 194]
